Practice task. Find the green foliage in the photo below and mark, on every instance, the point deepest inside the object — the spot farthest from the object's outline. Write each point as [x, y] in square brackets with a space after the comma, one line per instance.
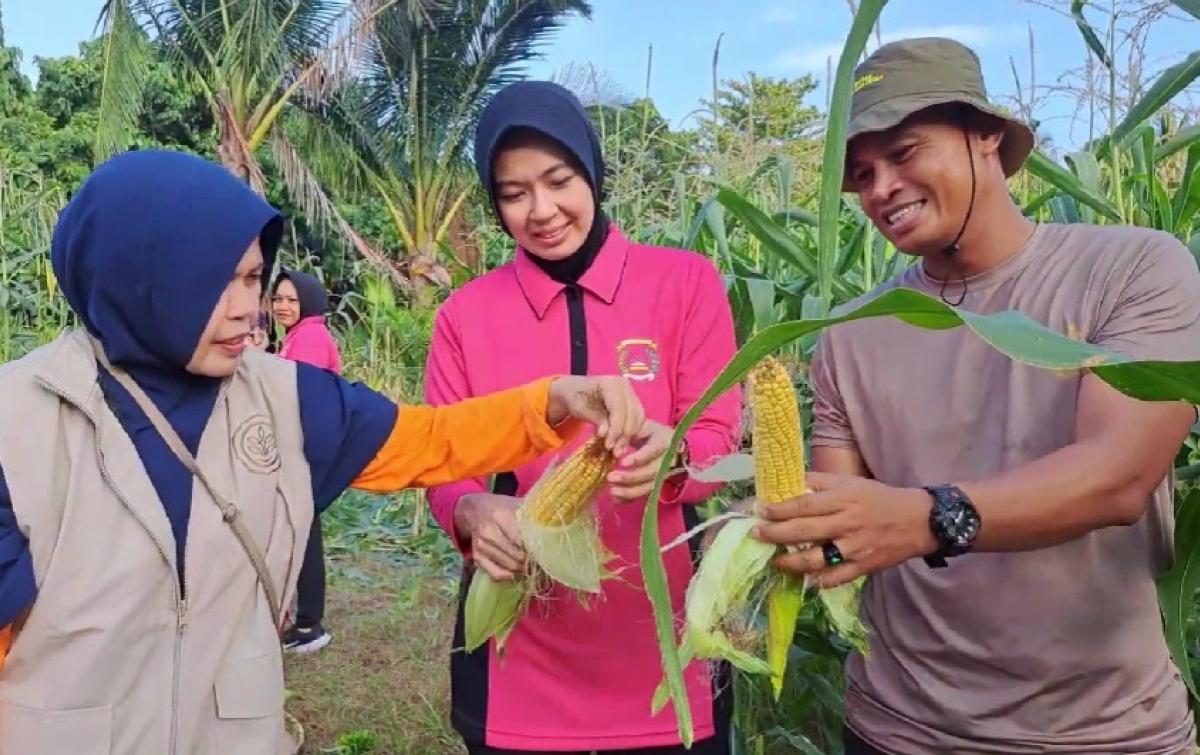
[401, 132]
[641, 147]
[762, 109]
[371, 172]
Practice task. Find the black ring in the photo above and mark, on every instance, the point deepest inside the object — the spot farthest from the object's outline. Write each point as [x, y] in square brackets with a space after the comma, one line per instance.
[833, 554]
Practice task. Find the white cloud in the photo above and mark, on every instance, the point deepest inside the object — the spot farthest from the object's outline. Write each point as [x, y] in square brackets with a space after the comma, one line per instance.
[814, 58]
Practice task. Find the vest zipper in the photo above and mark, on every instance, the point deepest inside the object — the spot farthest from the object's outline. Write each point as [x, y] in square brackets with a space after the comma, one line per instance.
[180, 601]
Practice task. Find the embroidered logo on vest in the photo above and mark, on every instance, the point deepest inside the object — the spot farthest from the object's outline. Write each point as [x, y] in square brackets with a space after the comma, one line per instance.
[637, 358]
[254, 445]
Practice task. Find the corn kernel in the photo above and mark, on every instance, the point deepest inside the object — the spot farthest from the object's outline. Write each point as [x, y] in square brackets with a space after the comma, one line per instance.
[778, 446]
[566, 491]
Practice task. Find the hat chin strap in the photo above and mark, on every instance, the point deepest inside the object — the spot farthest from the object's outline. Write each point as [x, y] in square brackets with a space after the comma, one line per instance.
[953, 248]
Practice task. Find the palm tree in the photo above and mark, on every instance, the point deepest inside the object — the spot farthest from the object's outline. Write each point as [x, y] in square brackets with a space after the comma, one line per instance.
[408, 120]
[262, 66]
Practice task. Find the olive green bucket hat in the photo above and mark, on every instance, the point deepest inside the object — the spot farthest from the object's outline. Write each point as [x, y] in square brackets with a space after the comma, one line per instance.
[904, 77]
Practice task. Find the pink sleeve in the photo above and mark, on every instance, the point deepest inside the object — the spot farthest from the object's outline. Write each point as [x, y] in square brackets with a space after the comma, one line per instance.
[311, 345]
[446, 382]
[709, 343]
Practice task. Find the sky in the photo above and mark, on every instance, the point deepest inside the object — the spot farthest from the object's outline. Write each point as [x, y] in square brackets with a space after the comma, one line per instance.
[665, 47]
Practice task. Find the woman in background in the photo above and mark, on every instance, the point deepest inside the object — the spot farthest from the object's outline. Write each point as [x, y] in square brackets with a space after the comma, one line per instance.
[580, 297]
[299, 302]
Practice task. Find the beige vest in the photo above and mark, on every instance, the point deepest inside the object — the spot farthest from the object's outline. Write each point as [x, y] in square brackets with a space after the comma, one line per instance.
[111, 661]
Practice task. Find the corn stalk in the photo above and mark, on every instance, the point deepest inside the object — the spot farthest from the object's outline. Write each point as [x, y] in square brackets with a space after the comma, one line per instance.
[30, 312]
[1144, 172]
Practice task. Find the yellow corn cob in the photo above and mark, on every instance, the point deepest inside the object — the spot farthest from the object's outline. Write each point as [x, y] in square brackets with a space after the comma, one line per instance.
[565, 491]
[778, 476]
[778, 448]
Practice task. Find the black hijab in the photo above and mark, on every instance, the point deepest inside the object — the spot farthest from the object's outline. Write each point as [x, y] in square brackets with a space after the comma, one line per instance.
[553, 111]
[310, 293]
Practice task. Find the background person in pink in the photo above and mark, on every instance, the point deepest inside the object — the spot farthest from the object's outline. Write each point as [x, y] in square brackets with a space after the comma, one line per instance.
[299, 302]
[580, 297]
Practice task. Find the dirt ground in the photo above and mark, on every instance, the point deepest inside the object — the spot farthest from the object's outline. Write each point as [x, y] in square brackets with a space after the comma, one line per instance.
[384, 680]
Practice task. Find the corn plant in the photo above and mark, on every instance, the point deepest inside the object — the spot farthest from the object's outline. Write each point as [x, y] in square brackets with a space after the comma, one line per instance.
[30, 311]
[1138, 174]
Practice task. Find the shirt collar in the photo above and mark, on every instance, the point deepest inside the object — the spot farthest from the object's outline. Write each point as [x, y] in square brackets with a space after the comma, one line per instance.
[602, 279]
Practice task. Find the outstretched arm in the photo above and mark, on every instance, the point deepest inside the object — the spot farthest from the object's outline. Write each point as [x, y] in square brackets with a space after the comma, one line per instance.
[355, 437]
[433, 445]
[446, 382]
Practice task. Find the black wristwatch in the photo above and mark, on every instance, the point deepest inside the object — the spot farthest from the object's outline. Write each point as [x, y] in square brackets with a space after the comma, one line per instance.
[954, 523]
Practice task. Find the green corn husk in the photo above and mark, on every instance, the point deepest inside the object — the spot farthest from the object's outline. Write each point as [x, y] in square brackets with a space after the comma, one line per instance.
[570, 554]
[784, 602]
[840, 606]
[724, 596]
[492, 609]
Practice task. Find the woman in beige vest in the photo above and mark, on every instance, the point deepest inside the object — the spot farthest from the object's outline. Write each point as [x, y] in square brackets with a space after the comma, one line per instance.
[158, 478]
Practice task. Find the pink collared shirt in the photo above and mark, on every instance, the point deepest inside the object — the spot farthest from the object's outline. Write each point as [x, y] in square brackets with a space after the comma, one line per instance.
[575, 677]
[310, 341]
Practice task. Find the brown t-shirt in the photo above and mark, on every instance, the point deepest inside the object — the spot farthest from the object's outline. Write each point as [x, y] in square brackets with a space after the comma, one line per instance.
[1055, 650]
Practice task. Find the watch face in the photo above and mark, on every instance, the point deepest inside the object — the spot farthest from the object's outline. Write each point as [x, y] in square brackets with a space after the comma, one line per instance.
[962, 525]
[956, 523]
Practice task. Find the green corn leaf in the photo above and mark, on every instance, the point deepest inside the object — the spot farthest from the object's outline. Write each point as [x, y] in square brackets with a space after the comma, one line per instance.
[1190, 6]
[1009, 332]
[1170, 83]
[1068, 183]
[1177, 588]
[1089, 34]
[654, 573]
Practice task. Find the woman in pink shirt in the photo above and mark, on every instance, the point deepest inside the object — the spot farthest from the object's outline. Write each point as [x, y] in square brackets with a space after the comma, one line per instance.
[299, 302]
[579, 296]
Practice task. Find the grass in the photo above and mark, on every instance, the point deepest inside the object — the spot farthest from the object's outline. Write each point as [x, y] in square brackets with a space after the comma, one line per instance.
[382, 685]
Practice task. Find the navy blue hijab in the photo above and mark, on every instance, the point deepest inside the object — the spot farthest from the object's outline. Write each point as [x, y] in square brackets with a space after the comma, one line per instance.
[555, 112]
[143, 252]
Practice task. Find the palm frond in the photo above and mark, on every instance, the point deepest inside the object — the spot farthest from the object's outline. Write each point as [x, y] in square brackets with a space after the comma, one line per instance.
[594, 86]
[306, 191]
[329, 149]
[127, 56]
[434, 76]
[344, 54]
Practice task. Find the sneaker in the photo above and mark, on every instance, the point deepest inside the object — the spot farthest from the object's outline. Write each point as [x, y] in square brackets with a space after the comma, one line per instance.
[306, 639]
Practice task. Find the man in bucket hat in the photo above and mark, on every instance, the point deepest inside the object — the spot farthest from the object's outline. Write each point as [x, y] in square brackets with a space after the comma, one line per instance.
[1012, 520]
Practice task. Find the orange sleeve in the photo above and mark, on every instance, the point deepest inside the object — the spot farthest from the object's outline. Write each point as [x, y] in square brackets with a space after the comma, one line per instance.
[435, 445]
[6, 640]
